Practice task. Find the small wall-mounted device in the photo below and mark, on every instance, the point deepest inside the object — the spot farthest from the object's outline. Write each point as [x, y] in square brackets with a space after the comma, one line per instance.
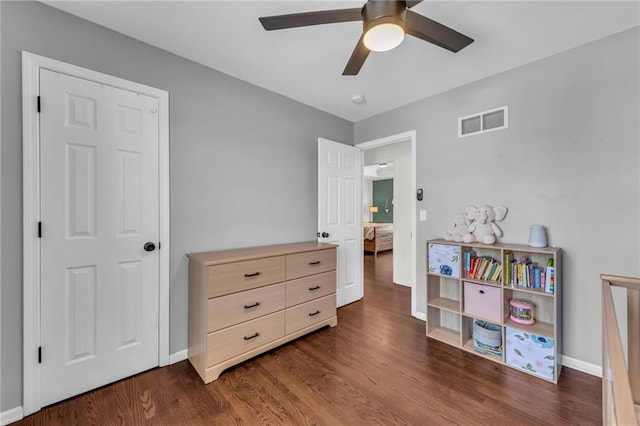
[419, 194]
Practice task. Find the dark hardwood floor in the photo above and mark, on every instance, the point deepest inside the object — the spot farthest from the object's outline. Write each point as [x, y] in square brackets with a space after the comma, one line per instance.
[375, 367]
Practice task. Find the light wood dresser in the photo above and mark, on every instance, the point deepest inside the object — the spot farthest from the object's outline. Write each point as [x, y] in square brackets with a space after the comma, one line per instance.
[244, 302]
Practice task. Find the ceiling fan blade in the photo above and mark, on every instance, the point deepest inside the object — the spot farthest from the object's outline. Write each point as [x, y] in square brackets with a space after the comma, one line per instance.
[434, 32]
[294, 20]
[357, 58]
[410, 4]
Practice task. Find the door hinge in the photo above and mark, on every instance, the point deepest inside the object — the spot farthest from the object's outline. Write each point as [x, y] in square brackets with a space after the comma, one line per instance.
[39, 354]
[38, 103]
[39, 229]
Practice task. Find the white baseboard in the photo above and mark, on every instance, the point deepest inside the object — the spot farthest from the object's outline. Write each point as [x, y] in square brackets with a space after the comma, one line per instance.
[403, 283]
[585, 367]
[11, 416]
[178, 356]
[420, 315]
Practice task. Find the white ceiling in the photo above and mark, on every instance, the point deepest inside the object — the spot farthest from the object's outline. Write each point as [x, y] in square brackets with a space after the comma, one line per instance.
[375, 172]
[306, 64]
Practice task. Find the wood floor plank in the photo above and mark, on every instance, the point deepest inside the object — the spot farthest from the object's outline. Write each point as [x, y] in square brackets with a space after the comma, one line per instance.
[375, 368]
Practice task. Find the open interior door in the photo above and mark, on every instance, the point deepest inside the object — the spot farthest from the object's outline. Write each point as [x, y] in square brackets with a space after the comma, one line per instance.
[339, 213]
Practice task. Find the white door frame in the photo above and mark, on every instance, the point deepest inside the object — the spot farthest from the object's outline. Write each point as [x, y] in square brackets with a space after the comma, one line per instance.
[403, 137]
[31, 65]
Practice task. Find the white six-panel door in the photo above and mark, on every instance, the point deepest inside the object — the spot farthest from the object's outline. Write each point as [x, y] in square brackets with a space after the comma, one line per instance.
[339, 218]
[99, 206]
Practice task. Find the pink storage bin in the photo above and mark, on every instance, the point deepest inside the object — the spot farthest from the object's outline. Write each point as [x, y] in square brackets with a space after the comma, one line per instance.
[483, 301]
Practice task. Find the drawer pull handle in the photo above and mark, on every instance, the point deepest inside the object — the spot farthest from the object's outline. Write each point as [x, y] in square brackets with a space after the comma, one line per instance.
[317, 262]
[254, 274]
[251, 337]
[314, 288]
[481, 291]
[313, 314]
[252, 306]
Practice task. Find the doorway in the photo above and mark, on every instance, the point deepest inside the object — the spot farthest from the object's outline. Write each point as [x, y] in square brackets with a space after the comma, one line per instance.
[378, 186]
[399, 149]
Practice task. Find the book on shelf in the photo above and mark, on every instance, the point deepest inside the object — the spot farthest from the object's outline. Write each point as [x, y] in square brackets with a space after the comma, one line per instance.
[549, 286]
[517, 274]
[497, 275]
[467, 256]
[525, 273]
[483, 268]
[488, 270]
[536, 277]
[475, 266]
[484, 262]
[508, 260]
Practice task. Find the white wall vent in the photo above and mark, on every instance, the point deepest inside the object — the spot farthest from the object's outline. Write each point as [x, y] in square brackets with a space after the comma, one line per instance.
[482, 122]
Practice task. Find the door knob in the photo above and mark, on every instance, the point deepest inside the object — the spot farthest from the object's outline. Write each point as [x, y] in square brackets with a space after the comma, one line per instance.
[149, 246]
[325, 235]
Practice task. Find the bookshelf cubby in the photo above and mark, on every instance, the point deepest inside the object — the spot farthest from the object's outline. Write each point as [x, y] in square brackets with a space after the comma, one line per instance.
[459, 296]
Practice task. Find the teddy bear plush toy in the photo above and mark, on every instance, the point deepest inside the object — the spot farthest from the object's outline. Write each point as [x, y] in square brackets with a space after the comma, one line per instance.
[483, 228]
[458, 229]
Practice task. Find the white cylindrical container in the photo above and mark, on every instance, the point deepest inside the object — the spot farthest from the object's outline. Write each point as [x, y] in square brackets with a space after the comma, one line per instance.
[537, 236]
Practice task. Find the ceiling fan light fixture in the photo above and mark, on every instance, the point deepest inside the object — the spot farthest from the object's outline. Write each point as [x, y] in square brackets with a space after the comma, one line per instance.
[384, 24]
[383, 36]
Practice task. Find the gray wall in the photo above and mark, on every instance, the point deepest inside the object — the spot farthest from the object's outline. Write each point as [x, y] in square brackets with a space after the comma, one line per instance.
[569, 161]
[243, 159]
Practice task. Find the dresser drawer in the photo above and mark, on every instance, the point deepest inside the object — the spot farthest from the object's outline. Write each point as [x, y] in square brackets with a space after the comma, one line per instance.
[309, 313]
[239, 276]
[310, 263]
[235, 308]
[482, 301]
[309, 288]
[232, 341]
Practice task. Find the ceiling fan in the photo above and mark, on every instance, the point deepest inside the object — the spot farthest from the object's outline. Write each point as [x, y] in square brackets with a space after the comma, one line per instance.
[385, 23]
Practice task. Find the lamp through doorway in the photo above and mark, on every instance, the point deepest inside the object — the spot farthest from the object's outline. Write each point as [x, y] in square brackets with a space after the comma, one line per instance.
[372, 210]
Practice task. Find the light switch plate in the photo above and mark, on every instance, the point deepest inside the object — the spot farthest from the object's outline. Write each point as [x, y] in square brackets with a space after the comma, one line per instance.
[423, 215]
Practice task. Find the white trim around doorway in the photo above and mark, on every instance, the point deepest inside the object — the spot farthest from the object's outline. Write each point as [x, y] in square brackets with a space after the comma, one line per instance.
[404, 137]
[31, 64]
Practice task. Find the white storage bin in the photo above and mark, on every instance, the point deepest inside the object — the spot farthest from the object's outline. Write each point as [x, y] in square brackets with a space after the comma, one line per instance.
[444, 259]
[530, 352]
[487, 338]
[487, 333]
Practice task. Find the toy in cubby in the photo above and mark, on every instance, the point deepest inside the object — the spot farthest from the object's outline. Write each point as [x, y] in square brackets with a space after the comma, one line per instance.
[521, 311]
